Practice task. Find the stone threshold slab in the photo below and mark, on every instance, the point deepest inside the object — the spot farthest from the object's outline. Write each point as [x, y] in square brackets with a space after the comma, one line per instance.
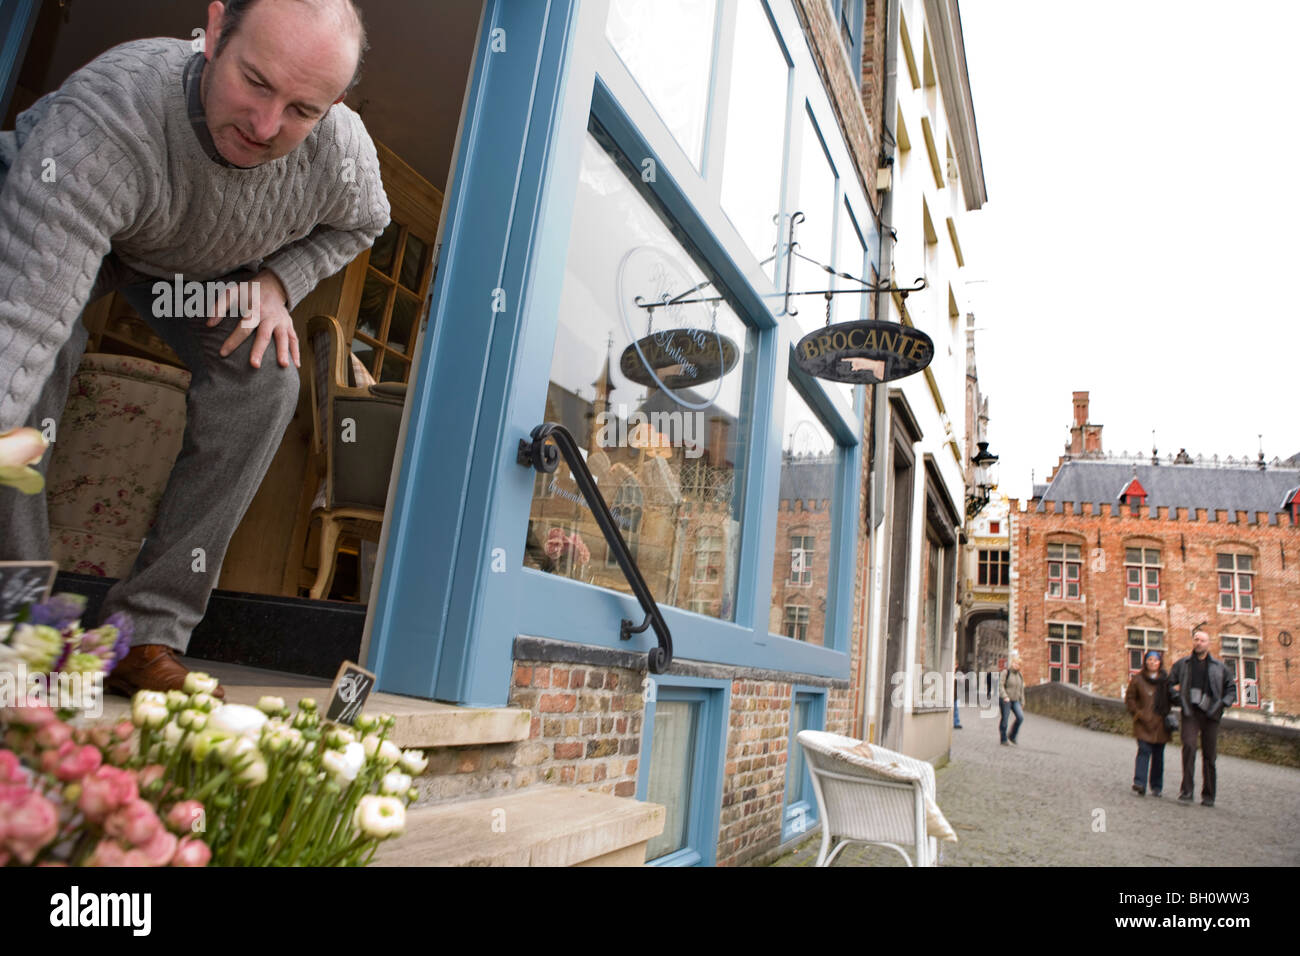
[541, 826]
[420, 723]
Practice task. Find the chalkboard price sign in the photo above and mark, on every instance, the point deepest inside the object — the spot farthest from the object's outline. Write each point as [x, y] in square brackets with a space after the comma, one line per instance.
[351, 688]
[23, 583]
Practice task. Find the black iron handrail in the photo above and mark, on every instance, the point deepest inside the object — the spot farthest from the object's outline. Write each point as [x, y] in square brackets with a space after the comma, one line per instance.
[541, 456]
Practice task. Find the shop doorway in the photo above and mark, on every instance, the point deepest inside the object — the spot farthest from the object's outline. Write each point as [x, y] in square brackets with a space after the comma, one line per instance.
[298, 563]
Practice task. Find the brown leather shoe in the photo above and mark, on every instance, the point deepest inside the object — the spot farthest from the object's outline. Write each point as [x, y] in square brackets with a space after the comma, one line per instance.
[150, 667]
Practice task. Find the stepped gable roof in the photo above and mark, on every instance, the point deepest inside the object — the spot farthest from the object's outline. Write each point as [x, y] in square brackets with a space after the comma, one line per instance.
[804, 479]
[1173, 486]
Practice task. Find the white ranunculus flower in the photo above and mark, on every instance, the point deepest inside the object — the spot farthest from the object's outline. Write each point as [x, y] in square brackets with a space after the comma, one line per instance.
[413, 762]
[395, 783]
[270, 705]
[339, 737]
[236, 720]
[234, 749]
[355, 755]
[172, 734]
[197, 682]
[384, 752]
[339, 766]
[380, 817]
[204, 702]
[177, 700]
[149, 714]
[254, 774]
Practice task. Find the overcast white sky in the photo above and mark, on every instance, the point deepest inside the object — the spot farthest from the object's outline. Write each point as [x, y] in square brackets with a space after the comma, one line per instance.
[1140, 237]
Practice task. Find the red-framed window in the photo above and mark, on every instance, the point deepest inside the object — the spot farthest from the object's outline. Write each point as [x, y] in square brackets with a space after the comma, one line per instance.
[1141, 640]
[1142, 575]
[994, 568]
[1241, 654]
[1065, 654]
[1134, 495]
[1064, 569]
[995, 527]
[1236, 582]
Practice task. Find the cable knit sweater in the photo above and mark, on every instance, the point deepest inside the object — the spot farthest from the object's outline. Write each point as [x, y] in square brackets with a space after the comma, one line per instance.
[110, 162]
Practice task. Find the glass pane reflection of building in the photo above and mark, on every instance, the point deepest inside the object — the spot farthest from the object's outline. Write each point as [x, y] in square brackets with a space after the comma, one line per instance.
[657, 400]
[802, 572]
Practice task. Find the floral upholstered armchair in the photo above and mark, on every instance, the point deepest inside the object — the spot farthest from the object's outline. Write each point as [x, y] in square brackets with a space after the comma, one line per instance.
[113, 453]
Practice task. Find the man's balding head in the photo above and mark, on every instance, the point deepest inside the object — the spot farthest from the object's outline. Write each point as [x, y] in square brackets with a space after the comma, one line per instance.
[345, 14]
[275, 67]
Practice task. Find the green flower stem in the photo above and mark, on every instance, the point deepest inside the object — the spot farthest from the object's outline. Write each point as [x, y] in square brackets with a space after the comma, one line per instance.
[289, 815]
[233, 846]
[356, 844]
[212, 785]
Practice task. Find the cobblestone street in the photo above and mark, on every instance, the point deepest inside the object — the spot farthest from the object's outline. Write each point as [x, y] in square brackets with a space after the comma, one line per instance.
[1034, 805]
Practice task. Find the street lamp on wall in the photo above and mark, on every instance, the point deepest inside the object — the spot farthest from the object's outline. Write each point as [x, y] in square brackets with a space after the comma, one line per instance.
[984, 482]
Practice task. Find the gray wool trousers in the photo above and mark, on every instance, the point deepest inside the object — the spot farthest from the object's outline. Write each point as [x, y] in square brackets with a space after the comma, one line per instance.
[236, 416]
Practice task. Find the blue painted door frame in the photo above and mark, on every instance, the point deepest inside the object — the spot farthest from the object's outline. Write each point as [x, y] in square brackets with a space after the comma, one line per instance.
[454, 593]
[456, 444]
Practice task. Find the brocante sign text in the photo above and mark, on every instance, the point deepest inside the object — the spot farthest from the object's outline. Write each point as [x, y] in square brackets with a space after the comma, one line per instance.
[864, 352]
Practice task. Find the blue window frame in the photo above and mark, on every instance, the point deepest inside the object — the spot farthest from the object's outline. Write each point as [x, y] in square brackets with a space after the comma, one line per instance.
[807, 712]
[850, 20]
[684, 737]
[455, 590]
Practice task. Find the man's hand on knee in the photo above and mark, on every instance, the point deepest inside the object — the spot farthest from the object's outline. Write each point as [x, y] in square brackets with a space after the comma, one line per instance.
[269, 315]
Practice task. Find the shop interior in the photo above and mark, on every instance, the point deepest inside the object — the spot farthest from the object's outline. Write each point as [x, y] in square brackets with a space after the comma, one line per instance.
[311, 534]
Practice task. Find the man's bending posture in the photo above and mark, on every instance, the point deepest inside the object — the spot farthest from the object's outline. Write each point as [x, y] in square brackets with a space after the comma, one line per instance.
[237, 164]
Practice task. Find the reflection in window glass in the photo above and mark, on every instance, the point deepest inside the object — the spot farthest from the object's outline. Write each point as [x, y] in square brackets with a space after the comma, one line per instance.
[751, 162]
[817, 203]
[667, 46]
[672, 758]
[654, 399]
[802, 570]
[850, 257]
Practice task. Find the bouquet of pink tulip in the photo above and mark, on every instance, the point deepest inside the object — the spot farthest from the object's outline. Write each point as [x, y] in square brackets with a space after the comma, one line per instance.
[63, 803]
[46, 657]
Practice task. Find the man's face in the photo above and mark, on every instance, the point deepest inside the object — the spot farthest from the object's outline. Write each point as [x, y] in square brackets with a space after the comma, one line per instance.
[1200, 643]
[275, 79]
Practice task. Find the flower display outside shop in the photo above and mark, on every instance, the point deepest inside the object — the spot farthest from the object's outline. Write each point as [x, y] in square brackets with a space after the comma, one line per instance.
[190, 781]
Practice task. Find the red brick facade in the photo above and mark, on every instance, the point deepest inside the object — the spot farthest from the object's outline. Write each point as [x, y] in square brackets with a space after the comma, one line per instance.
[1188, 546]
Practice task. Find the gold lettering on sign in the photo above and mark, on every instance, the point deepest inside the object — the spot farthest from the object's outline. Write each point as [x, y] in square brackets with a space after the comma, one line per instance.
[918, 349]
[840, 341]
[809, 350]
[902, 344]
[852, 344]
[871, 343]
[887, 340]
[824, 341]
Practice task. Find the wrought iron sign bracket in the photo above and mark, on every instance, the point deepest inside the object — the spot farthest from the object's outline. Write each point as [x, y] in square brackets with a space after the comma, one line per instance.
[544, 457]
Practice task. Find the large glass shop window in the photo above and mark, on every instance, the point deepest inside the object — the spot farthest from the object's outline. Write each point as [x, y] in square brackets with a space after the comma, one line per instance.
[801, 573]
[751, 161]
[656, 398]
[667, 46]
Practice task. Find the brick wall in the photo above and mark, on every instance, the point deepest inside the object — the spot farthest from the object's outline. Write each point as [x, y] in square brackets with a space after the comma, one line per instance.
[586, 732]
[1188, 545]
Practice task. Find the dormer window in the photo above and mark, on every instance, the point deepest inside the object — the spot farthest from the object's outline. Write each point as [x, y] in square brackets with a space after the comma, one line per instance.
[1134, 496]
[1291, 503]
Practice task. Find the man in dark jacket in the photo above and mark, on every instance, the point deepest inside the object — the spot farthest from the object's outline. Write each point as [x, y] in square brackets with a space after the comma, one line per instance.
[1203, 687]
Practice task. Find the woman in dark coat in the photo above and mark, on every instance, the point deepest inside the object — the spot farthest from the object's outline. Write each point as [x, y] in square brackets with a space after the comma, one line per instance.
[1147, 700]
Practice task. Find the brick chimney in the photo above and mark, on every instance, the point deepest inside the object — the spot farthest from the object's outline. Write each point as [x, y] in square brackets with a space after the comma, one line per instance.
[1085, 437]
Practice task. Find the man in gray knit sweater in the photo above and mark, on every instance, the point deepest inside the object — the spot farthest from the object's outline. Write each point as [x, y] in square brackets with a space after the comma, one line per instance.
[235, 164]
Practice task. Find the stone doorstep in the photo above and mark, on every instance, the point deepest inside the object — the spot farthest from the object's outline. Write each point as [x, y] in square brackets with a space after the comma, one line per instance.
[420, 723]
[542, 826]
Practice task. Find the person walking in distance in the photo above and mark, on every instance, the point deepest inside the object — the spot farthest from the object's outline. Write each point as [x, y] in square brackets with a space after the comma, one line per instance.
[1012, 699]
[1147, 700]
[1203, 688]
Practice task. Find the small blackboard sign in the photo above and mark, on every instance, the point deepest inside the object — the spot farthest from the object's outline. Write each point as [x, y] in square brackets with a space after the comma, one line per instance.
[351, 689]
[23, 583]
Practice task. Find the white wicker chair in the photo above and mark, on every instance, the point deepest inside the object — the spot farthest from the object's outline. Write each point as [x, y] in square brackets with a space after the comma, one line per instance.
[860, 805]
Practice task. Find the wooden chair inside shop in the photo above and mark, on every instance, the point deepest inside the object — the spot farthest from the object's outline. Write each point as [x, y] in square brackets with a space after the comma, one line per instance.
[354, 436]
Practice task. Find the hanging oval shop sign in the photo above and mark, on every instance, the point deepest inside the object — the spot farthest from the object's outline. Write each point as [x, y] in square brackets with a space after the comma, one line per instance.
[688, 351]
[679, 358]
[865, 352]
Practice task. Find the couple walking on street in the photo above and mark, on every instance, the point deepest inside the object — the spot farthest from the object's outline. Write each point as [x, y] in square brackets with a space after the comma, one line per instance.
[1201, 688]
